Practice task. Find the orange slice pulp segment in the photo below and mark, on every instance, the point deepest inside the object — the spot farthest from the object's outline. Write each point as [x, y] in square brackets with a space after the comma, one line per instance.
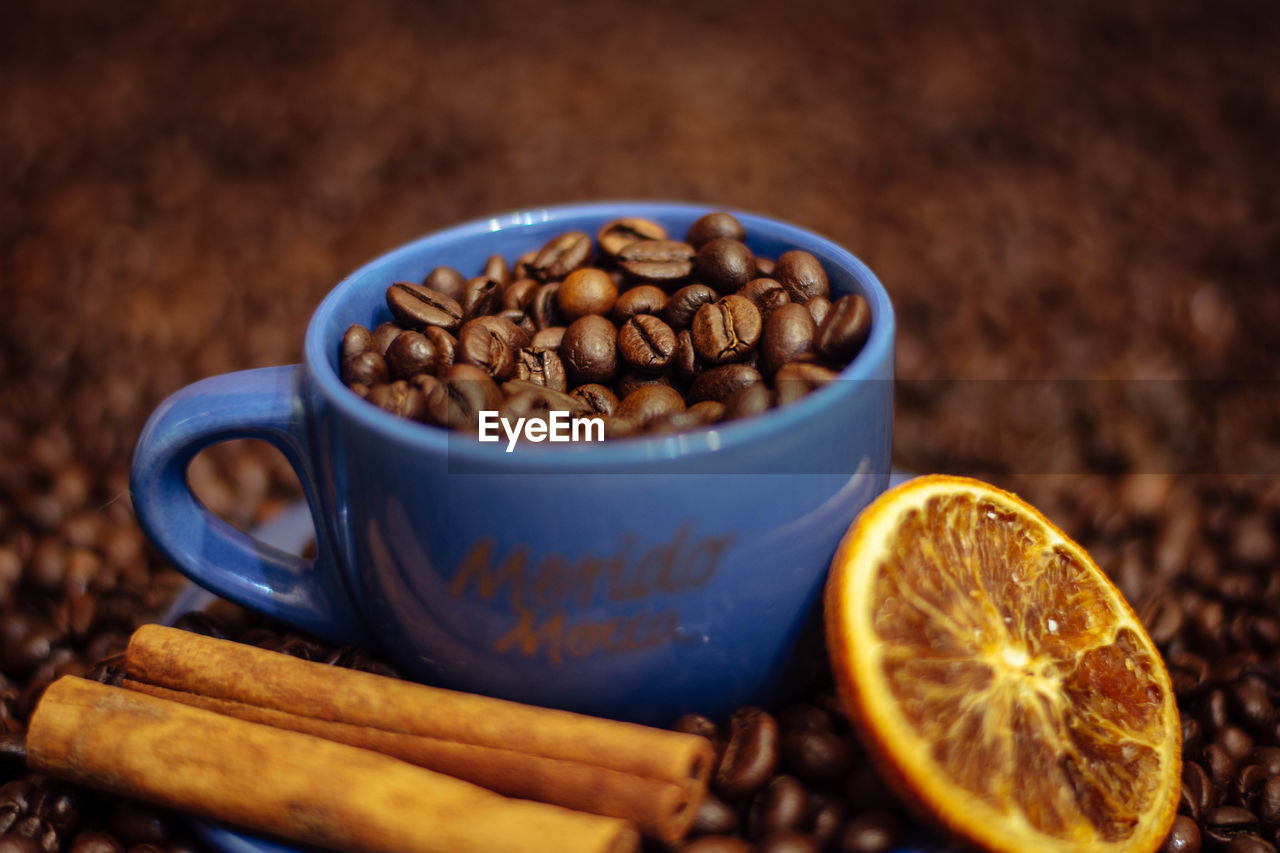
[998, 676]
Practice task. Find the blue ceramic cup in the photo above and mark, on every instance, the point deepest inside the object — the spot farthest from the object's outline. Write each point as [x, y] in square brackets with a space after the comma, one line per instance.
[638, 579]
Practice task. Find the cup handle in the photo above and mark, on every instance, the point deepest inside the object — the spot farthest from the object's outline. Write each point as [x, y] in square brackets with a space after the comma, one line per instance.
[265, 404]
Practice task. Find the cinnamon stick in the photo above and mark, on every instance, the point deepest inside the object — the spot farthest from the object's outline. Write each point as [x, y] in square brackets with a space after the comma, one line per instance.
[654, 777]
[288, 784]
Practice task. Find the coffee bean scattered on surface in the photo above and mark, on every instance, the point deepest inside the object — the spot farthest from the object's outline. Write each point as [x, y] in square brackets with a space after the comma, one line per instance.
[630, 310]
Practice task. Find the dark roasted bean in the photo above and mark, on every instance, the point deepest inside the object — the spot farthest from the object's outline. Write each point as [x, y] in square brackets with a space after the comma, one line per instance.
[714, 817]
[589, 350]
[542, 367]
[384, 334]
[1197, 795]
[1249, 701]
[713, 226]
[782, 805]
[480, 296]
[650, 401]
[789, 334]
[598, 399]
[615, 236]
[726, 330]
[795, 380]
[751, 754]
[819, 307]
[871, 832]
[661, 262]
[725, 264]
[136, 823]
[820, 758]
[355, 342]
[1250, 844]
[1268, 805]
[368, 368]
[646, 343]
[586, 291]
[490, 343]
[746, 402]
[417, 307]
[717, 383]
[446, 348]
[685, 302]
[548, 338]
[1248, 786]
[641, 299]
[96, 842]
[802, 275]
[1236, 742]
[561, 256]
[1268, 758]
[466, 391]
[631, 381]
[788, 842]
[544, 308]
[399, 398]
[411, 353]
[1223, 823]
[845, 329]
[766, 293]
[519, 294]
[446, 280]
[713, 844]
[707, 412]
[496, 268]
[1184, 837]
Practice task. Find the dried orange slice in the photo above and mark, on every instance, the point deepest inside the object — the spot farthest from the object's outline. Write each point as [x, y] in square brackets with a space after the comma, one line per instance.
[997, 675]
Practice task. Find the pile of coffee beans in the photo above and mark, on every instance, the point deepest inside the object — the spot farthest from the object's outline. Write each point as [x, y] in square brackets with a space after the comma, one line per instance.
[652, 335]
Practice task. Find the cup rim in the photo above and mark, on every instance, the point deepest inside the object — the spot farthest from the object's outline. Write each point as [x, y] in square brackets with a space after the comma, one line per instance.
[638, 451]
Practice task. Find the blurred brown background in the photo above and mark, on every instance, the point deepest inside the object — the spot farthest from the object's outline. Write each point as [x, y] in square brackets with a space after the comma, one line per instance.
[1084, 190]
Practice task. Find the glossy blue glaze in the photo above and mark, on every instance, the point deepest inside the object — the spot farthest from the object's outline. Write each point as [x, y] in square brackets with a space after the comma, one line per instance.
[637, 579]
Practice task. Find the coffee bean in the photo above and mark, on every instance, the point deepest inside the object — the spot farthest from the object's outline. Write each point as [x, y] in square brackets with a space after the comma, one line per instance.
[1184, 837]
[714, 817]
[495, 267]
[446, 346]
[725, 264]
[355, 342]
[819, 307]
[782, 805]
[561, 255]
[446, 280]
[1248, 786]
[1223, 823]
[642, 299]
[399, 398]
[96, 842]
[789, 334]
[712, 844]
[544, 308]
[490, 343]
[788, 842]
[1250, 844]
[714, 226]
[424, 382]
[21, 844]
[537, 402]
[796, 379]
[1249, 701]
[135, 823]
[872, 832]
[384, 334]
[661, 262]
[1235, 741]
[411, 353]
[518, 294]
[752, 400]
[845, 328]
[685, 302]
[698, 724]
[646, 343]
[1220, 767]
[586, 291]
[1197, 795]
[598, 399]
[616, 426]
[417, 307]
[542, 367]
[651, 401]
[819, 758]
[615, 236]
[480, 296]
[726, 330]
[590, 350]
[707, 412]
[802, 275]
[1266, 757]
[718, 383]
[466, 391]
[630, 381]
[766, 293]
[368, 368]
[1268, 804]
[750, 755]
[548, 338]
